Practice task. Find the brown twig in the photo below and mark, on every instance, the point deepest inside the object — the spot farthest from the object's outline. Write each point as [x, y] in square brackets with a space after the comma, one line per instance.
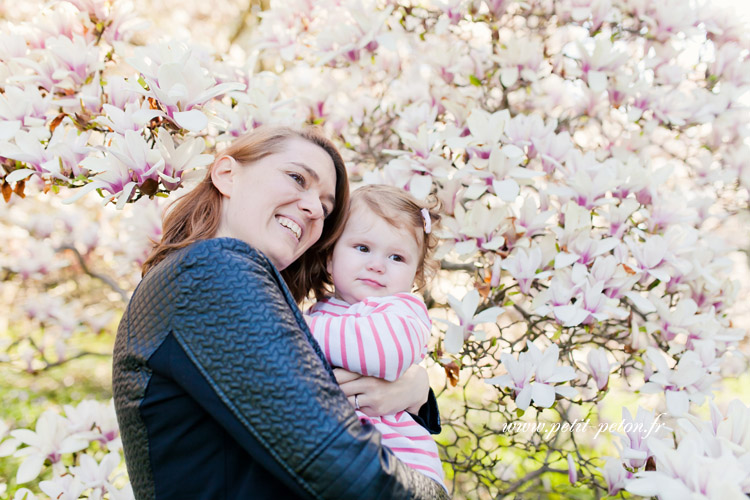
[105, 279]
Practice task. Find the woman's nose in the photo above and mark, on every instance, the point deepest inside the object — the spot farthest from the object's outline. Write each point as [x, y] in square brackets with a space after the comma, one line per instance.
[310, 204]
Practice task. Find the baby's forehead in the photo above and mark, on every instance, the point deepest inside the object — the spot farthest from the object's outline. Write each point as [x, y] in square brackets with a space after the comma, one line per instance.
[362, 215]
[363, 220]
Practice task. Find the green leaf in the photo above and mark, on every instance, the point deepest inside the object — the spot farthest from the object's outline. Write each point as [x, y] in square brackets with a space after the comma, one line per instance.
[519, 412]
[557, 334]
[475, 81]
[653, 285]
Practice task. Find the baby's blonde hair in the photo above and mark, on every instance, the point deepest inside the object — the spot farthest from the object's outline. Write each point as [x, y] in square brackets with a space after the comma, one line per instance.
[403, 211]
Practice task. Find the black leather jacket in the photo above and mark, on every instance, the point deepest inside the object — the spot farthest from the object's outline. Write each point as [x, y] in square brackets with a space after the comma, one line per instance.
[221, 392]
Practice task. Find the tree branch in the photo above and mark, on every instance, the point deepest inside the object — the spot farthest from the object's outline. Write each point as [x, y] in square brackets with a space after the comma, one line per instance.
[105, 279]
[457, 266]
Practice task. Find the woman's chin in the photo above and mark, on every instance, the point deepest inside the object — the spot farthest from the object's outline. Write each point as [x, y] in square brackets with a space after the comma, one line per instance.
[283, 258]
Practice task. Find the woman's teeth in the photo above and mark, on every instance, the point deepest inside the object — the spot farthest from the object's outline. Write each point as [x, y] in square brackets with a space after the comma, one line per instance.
[291, 225]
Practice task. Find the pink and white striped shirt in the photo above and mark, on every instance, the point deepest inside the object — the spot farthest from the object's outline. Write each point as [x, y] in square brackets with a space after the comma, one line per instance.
[381, 337]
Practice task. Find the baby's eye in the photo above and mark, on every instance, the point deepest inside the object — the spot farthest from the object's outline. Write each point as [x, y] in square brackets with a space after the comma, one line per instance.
[362, 248]
[397, 258]
[298, 178]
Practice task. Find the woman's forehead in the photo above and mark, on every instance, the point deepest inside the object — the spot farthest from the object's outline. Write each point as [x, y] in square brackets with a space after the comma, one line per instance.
[314, 160]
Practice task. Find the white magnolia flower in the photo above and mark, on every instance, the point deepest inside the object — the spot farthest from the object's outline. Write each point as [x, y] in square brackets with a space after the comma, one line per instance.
[180, 84]
[465, 309]
[525, 266]
[637, 431]
[599, 367]
[686, 472]
[66, 487]
[95, 475]
[546, 374]
[615, 474]
[688, 381]
[49, 441]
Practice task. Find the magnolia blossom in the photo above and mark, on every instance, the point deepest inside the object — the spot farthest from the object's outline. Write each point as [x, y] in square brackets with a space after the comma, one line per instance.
[543, 368]
[687, 381]
[572, 472]
[708, 461]
[75, 56]
[7, 446]
[531, 221]
[615, 474]
[599, 367]
[525, 266]
[465, 310]
[685, 472]
[49, 441]
[479, 228]
[179, 159]
[486, 131]
[66, 487]
[180, 84]
[635, 451]
[95, 475]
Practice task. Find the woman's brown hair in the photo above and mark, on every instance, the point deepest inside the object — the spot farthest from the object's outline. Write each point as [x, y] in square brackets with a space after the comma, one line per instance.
[196, 216]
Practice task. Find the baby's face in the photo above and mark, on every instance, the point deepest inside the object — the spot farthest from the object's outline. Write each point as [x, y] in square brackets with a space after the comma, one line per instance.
[373, 258]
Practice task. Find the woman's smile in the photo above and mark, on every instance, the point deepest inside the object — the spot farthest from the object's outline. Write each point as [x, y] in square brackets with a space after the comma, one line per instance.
[291, 225]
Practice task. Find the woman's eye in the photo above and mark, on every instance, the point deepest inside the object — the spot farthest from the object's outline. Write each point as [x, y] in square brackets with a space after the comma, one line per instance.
[397, 258]
[362, 248]
[299, 179]
[326, 212]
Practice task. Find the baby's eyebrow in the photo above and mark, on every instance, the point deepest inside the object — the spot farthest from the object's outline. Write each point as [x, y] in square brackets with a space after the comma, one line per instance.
[312, 173]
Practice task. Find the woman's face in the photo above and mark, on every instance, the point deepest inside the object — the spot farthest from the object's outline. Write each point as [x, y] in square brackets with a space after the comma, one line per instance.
[278, 204]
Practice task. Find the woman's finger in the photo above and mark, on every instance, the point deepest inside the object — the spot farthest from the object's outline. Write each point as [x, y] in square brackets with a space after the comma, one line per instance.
[359, 385]
[344, 376]
[352, 401]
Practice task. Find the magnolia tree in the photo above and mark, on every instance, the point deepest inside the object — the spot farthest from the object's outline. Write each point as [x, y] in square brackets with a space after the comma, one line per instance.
[587, 155]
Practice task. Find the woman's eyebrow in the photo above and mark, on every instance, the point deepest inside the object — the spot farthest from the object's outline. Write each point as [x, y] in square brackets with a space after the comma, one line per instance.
[312, 173]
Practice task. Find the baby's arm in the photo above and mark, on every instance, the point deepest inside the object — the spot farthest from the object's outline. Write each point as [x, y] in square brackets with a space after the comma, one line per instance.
[379, 338]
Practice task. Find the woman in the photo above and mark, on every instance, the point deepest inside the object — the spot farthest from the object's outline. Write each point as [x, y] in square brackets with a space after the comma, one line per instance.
[219, 390]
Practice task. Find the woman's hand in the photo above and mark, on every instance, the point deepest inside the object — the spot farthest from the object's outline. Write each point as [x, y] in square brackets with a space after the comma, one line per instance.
[379, 397]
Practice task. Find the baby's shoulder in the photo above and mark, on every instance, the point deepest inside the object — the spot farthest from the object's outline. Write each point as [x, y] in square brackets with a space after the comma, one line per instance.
[399, 301]
[328, 305]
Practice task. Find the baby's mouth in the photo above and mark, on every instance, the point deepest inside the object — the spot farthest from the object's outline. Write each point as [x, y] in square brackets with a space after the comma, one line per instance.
[372, 283]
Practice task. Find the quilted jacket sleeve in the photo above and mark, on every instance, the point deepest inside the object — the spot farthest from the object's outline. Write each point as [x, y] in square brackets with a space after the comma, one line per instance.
[236, 321]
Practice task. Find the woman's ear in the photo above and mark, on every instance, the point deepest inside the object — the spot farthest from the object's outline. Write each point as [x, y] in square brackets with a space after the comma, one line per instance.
[222, 174]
